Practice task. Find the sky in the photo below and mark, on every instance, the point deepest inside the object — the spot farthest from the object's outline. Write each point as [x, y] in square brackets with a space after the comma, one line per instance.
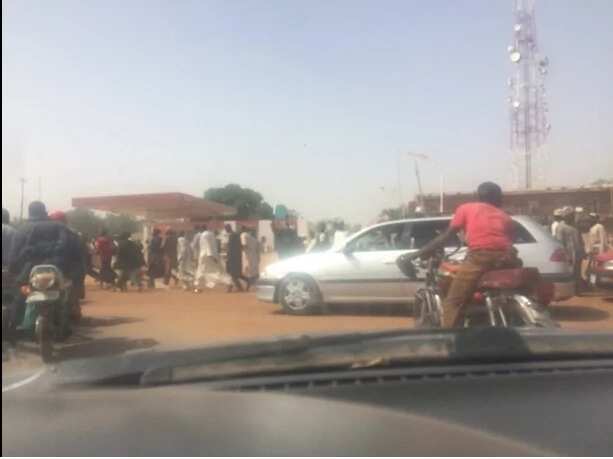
[312, 103]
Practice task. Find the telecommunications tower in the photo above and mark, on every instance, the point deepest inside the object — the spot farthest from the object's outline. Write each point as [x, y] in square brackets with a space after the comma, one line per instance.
[527, 106]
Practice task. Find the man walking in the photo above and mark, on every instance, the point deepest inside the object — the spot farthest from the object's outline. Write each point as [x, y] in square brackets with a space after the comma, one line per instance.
[234, 261]
[170, 256]
[128, 263]
[185, 261]
[571, 240]
[251, 257]
[208, 260]
[105, 249]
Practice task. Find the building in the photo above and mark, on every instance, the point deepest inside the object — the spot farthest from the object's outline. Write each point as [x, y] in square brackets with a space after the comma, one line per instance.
[537, 203]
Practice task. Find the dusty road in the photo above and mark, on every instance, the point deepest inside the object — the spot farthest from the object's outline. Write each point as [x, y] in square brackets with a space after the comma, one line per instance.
[117, 322]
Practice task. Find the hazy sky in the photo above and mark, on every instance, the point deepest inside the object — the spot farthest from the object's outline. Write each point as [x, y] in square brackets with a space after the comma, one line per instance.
[309, 102]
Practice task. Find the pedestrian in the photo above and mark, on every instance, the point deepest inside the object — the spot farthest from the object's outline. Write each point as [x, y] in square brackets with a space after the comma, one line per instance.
[169, 248]
[598, 239]
[155, 258]
[340, 235]
[234, 260]
[105, 248]
[8, 235]
[208, 271]
[572, 243]
[251, 257]
[557, 217]
[128, 263]
[185, 261]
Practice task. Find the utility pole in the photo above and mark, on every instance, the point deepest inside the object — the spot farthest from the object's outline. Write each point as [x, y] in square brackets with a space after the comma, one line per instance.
[23, 181]
[416, 156]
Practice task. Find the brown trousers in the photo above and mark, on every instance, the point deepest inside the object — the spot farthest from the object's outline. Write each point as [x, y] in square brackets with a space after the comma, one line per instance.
[465, 281]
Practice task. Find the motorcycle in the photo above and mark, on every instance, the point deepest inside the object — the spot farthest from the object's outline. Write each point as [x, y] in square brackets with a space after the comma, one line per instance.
[503, 298]
[45, 316]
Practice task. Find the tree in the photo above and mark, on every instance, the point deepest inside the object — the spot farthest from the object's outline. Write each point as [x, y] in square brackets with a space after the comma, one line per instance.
[602, 182]
[121, 223]
[394, 213]
[248, 203]
[84, 221]
[89, 224]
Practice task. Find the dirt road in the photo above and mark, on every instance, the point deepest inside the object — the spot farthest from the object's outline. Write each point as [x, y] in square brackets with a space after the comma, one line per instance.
[117, 322]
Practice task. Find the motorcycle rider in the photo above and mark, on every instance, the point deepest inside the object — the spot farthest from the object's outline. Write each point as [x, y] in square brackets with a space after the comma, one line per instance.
[77, 264]
[39, 241]
[489, 235]
[8, 236]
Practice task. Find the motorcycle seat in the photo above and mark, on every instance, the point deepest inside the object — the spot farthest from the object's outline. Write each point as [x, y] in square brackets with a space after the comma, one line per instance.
[507, 279]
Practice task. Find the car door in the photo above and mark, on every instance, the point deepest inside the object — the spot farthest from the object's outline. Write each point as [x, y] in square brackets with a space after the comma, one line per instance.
[366, 271]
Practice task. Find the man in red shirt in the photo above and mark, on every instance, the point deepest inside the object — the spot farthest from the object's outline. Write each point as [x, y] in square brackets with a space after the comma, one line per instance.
[488, 232]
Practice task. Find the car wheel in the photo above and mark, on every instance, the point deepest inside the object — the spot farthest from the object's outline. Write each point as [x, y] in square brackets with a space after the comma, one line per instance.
[299, 295]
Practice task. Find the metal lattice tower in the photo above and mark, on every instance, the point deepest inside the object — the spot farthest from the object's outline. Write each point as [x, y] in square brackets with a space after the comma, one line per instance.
[527, 105]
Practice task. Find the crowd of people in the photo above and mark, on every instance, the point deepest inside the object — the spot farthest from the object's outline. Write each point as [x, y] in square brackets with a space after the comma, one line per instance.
[202, 259]
[582, 237]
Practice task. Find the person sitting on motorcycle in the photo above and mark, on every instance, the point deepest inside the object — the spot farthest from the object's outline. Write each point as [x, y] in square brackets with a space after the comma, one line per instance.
[39, 241]
[489, 235]
[75, 269]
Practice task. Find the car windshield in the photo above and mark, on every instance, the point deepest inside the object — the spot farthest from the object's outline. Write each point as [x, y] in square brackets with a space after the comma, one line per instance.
[196, 174]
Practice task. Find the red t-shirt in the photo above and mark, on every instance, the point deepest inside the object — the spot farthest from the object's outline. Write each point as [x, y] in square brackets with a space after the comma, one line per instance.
[486, 227]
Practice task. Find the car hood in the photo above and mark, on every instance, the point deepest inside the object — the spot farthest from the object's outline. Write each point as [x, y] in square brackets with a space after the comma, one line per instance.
[302, 263]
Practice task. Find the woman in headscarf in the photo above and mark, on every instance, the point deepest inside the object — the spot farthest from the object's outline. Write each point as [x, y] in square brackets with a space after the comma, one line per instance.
[251, 257]
[234, 261]
[185, 261]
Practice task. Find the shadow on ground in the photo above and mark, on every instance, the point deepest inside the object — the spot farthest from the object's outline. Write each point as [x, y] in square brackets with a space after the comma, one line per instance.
[572, 313]
[387, 310]
[91, 322]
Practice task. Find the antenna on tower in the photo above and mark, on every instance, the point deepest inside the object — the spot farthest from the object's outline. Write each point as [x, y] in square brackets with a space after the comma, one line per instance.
[527, 106]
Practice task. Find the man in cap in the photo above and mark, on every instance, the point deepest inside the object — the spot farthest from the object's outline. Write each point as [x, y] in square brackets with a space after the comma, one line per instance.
[557, 218]
[597, 235]
[489, 234]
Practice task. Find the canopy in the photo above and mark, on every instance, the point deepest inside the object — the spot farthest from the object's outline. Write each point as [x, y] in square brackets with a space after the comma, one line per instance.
[157, 206]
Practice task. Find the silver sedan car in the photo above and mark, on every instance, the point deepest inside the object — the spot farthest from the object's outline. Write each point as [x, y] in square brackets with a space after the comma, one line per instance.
[364, 270]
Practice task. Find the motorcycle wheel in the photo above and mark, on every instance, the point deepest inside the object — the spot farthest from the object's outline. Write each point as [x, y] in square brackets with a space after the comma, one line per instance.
[44, 337]
[427, 310]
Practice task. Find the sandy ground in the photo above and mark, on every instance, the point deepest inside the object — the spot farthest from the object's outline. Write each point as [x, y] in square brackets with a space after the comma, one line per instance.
[116, 322]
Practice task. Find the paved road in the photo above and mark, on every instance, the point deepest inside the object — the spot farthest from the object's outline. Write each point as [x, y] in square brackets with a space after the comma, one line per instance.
[117, 322]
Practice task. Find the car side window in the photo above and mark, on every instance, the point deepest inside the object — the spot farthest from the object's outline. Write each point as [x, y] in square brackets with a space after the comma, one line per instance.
[423, 232]
[383, 238]
[521, 235]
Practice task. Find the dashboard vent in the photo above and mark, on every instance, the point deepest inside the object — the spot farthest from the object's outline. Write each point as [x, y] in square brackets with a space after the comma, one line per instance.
[369, 377]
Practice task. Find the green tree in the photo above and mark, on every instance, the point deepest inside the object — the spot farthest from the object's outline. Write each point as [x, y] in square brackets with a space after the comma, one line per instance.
[117, 224]
[602, 182]
[248, 203]
[84, 221]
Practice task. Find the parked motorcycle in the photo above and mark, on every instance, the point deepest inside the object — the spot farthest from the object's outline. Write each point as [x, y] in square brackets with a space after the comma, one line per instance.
[503, 298]
[45, 316]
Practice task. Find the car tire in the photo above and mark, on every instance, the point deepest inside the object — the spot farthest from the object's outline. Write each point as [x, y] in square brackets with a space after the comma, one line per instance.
[299, 295]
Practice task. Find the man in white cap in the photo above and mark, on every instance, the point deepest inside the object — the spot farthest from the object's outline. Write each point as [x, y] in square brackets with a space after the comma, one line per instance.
[557, 217]
[597, 235]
